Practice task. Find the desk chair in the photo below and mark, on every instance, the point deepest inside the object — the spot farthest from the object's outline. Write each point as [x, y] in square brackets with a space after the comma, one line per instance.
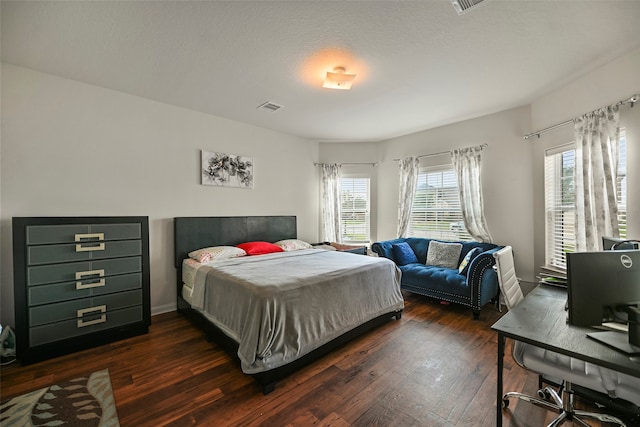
[549, 364]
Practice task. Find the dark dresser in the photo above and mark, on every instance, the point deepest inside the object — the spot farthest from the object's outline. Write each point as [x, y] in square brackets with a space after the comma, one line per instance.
[79, 282]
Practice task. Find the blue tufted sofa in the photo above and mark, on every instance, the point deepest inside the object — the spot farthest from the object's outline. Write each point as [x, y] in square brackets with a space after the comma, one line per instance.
[475, 289]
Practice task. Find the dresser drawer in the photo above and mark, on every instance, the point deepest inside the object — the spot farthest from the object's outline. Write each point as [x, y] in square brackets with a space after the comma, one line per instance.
[68, 329]
[73, 310]
[51, 254]
[41, 275]
[56, 292]
[66, 233]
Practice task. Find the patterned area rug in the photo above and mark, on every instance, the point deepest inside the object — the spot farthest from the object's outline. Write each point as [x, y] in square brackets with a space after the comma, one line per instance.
[85, 401]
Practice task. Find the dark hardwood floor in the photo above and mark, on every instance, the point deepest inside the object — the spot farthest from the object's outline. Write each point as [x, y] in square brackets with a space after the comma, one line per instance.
[434, 367]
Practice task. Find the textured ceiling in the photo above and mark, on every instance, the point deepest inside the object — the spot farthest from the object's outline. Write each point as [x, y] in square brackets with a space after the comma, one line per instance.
[419, 64]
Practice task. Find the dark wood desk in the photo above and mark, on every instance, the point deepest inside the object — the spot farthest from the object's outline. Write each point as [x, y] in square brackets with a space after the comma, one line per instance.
[541, 320]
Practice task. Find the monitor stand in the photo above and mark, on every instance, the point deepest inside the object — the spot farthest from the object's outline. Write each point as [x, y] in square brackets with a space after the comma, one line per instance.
[617, 340]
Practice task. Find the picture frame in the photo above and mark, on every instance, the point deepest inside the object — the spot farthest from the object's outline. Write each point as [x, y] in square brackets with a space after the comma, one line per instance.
[226, 170]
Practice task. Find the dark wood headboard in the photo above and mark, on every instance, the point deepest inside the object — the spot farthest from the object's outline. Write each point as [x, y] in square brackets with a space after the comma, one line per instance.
[191, 233]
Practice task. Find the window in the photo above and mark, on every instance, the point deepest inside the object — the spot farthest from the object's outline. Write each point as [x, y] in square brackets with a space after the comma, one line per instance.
[560, 206]
[436, 211]
[355, 210]
[621, 185]
[560, 209]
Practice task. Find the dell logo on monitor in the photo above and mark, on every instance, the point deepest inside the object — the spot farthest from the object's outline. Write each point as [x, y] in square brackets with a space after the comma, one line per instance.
[626, 261]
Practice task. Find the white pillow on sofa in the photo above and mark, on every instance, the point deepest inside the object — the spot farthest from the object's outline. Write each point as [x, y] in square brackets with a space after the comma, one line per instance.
[443, 254]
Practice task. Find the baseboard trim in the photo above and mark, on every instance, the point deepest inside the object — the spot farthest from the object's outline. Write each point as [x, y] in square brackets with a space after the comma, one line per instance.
[163, 309]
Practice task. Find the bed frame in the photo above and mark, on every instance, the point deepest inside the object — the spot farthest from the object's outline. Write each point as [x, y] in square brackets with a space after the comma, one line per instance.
[193, 233]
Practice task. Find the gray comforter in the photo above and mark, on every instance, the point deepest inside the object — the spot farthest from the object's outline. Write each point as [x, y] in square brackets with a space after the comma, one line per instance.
[281, 306]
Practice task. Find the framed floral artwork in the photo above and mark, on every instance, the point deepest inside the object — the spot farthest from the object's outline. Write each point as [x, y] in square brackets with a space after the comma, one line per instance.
[227, 170]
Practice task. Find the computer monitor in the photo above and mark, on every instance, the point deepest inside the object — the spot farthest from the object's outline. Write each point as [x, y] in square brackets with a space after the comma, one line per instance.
[602, 287]
[614, 243]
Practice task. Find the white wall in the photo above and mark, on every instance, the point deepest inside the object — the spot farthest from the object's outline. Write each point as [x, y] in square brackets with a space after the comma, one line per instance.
[607, 85]
[507, 174]
[72, 149]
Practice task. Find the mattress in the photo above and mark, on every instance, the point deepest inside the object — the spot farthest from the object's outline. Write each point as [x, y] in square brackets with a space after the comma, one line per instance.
[281, 306]
[189, 269]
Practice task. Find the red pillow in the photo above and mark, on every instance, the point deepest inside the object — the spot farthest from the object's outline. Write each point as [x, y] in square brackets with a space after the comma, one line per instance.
[259, 248]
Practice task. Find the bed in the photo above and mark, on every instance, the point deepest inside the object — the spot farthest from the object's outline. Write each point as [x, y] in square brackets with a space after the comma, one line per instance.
[277, 312]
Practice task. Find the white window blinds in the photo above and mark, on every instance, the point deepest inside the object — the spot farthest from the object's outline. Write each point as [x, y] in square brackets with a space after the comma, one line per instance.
[559, 206]
[355, 210]
[436, 211]
[622, 185]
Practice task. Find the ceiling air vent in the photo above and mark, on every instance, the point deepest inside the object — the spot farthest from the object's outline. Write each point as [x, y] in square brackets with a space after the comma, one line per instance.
[269, 106]
[462, 5]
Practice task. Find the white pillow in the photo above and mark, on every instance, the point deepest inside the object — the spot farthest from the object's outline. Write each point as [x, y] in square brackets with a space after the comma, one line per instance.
[292, 245]
[216, 253]
[442, 254]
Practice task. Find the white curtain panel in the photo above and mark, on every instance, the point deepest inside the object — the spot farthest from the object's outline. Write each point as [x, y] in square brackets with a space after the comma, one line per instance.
[409, 167]
[467, 163]
[331, 202]
[595, 174]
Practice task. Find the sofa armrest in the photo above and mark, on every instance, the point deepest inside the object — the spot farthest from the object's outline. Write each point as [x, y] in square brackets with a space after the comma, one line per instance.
[385, 248]
[482, 279]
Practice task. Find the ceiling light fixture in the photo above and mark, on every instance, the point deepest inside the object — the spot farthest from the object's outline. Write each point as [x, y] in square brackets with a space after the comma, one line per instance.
[338, 79]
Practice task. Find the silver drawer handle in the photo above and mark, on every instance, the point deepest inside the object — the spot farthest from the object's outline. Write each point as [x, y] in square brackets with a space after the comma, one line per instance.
[99, 309]
[80, 248]
[81, 274]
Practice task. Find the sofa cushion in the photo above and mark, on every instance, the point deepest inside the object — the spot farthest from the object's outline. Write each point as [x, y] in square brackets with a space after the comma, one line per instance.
[442, 254]
[438, 279]
[463, 268]
[403, 254]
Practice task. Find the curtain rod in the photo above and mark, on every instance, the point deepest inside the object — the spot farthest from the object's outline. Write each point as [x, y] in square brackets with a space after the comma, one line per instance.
[349, 164]
[482, 147]
[632, 100]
